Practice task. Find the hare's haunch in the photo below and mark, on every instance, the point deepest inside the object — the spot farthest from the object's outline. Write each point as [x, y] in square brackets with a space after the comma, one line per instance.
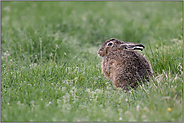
[123, 65]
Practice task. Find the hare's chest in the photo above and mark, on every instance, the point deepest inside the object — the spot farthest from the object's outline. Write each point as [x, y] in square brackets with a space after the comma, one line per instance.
[108, 66]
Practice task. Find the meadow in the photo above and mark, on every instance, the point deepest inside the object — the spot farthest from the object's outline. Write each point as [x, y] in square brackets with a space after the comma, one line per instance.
[50, 70]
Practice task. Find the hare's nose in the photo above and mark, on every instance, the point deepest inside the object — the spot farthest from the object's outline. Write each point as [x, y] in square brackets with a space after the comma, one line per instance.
[100, 53]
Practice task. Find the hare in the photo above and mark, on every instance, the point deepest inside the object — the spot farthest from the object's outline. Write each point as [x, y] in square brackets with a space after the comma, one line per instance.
[123, 65]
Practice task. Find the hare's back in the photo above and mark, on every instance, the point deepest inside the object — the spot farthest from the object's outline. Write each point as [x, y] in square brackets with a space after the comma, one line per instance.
[138, 62]
[130, 58]
[123, 56]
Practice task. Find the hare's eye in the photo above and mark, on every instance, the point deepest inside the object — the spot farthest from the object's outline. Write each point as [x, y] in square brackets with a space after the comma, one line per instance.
[109, 44]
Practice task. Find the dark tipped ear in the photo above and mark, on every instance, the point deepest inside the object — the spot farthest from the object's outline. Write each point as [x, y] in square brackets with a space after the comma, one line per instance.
[132, 46]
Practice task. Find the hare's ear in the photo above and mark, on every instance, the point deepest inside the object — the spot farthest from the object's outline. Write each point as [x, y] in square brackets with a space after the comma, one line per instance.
[132, 46]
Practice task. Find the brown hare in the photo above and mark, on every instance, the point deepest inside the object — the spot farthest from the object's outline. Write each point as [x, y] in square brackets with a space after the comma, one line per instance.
[123, 65]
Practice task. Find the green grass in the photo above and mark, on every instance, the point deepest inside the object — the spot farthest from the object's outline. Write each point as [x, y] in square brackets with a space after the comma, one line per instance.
[50, 70]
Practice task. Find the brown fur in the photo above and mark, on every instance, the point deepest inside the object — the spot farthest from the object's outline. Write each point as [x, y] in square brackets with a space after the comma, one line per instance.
[124, 66]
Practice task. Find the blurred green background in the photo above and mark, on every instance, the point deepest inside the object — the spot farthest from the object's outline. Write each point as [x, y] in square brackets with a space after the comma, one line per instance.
[71, 25]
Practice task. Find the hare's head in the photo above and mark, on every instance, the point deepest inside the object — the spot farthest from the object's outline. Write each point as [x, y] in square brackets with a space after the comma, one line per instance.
[115, 44]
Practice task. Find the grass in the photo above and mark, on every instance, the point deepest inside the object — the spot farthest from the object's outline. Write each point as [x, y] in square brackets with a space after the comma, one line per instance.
[50, 70]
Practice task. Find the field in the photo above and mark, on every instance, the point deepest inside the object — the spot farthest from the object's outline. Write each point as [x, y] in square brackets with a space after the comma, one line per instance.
[50, 70]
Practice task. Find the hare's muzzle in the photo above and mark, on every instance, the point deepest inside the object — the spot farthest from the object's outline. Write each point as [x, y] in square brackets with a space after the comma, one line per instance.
[100, 53]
